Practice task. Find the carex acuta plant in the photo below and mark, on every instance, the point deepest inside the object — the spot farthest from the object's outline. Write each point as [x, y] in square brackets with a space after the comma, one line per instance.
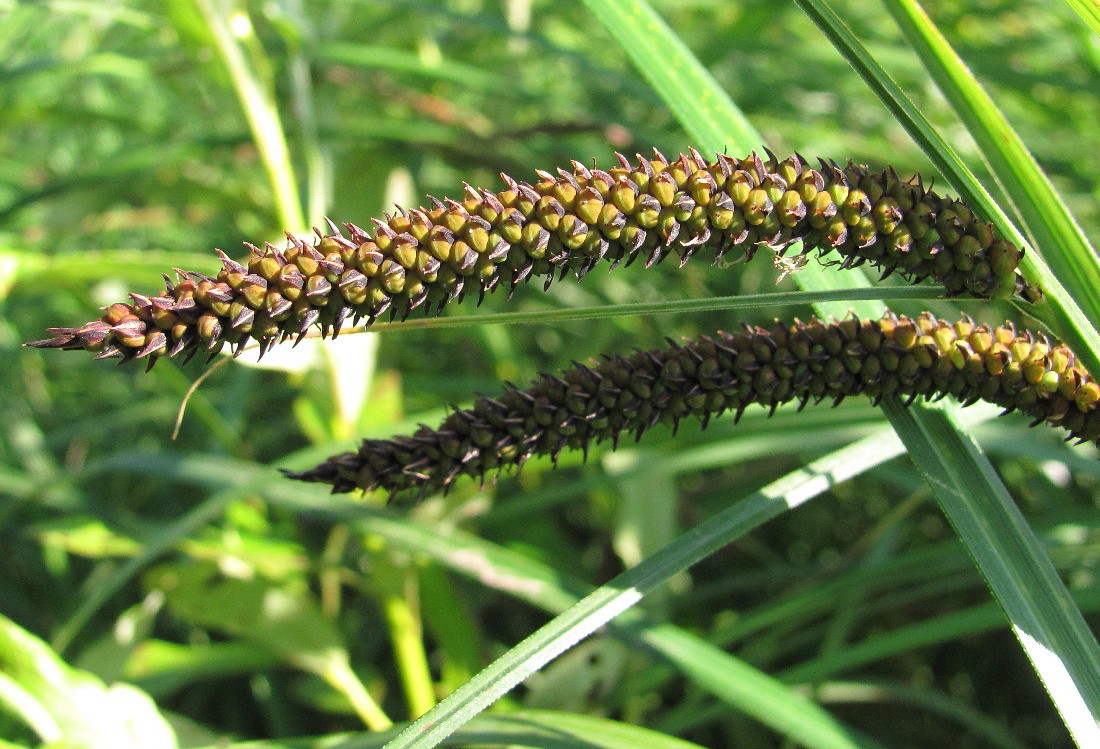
[650, 210]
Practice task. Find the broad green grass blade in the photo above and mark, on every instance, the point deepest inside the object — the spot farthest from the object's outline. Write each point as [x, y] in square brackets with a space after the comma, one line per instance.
[676, 75]
[1046, 218]
[711, 668]
[162, 668]
[1089, 10]
[520, 576]
[402, 61]
[71, 707]
[32, 272]
[1044, 618]
[1061, 310]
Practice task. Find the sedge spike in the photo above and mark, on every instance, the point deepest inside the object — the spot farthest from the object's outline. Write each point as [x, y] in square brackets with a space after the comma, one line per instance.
[654, 210]
[894, 356]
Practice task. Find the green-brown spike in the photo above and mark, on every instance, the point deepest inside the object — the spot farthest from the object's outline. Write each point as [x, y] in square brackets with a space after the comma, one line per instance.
[652, 210]
[893, 356]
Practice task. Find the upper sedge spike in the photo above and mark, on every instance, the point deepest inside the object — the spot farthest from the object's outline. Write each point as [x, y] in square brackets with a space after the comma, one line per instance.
[566, 223]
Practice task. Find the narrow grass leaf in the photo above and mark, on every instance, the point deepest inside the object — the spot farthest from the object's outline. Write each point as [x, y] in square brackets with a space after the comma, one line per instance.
[537, 729]
[917, 426]
[749, 689]
[1045, 216]
[1089, 10]
[259, 107]
[1044, 618]
[681, 81]
[396, 60]
[512, 573]
[633, 309]
[162, 668]
[1061, 311]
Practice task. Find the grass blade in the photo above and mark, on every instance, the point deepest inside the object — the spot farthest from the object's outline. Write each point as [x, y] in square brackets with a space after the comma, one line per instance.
[676, 75]
[708, 666]
[1061, 311]
[538, 729]
[1062, 650]
[1045, 217]
[916, 427]
[1089, 10]
[751, 690]
[1044, 618]
[676, 306]
[259, 108]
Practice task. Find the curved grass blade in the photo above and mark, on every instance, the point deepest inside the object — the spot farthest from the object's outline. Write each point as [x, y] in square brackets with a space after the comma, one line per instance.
[1060, 646]
[537, 729]
[259, 108]
[755, 692]
[709, 667]
[393, 59]
[712, 669]
[1045, 217]
[1044, 618]
[686, 87]
[1061, 311]
[1089, 10]
[918, 425]
[676, 306]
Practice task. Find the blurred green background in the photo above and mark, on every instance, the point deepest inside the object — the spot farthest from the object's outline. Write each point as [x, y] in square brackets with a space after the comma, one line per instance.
[126, 152]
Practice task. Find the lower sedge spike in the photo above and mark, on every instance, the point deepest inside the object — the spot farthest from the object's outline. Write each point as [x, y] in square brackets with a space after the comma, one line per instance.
[894, 356]
[426, 257]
